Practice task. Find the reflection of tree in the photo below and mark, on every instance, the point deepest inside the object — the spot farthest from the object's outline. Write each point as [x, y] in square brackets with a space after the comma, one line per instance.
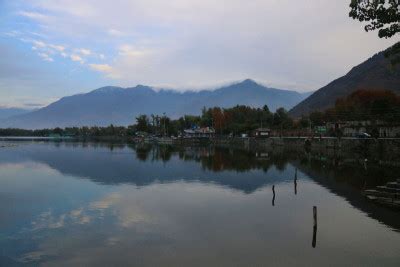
[142, 151]
[349, 169]
[213, 158]
[165, 153]
[343, 167]
[240, 160]
[162, 152]
[112, 146]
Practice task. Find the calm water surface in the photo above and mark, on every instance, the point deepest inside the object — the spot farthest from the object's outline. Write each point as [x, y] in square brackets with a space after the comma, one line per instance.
[73, 204]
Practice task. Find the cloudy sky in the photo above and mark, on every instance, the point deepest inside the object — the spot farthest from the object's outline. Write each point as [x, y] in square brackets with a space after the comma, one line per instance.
[50, 49]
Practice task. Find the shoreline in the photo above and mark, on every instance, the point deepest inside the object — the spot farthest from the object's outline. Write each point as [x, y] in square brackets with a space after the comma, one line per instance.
[379, 148]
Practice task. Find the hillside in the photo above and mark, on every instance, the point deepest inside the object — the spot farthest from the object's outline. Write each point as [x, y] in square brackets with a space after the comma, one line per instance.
[120, 106]
[10, 112]
[375, 73]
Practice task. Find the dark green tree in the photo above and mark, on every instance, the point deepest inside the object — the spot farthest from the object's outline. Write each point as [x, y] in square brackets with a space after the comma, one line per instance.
[381, 15]
[142, 123]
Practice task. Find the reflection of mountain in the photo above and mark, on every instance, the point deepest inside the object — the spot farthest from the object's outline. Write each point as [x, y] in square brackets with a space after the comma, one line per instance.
[146, 165]
[347, 180]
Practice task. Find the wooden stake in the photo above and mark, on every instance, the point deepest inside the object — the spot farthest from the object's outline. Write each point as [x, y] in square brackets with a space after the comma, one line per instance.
[295, 182]
[314, 240]
[273, 198]
[315, 216]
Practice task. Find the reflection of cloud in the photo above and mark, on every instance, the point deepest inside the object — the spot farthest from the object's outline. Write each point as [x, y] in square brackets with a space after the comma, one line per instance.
[47, 220]
[32, 256]
[79, 216]
[126, 215]
[112, 241]
[130, 217]
[106, 202]
[77, 212]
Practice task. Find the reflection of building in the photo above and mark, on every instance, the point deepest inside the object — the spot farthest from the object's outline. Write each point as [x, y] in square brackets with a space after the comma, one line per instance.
[262, 155]
[205, 132]
[262, 133]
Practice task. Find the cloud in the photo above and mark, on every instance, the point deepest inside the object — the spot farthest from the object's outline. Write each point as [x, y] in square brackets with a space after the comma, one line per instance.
[39, 44]
[33, 15]
[45, 57]
[196, 43]
[83, 51]
[59, 48]
[116, 33]
[77, 58]
[46, 49]
[109, 71]
[12, 33]
[131, 51]
[101, 67]
[34, 105]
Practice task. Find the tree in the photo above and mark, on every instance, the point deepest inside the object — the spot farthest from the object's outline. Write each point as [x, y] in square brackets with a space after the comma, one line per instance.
[381, 15]
[142, 123]
[218, 118]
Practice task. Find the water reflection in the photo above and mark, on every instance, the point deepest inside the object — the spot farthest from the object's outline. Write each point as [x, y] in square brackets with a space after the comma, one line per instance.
[142, 205]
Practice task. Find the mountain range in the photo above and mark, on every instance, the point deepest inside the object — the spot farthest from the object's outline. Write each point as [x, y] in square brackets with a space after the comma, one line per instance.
[119, 106]
[6, 113]
[376, 73]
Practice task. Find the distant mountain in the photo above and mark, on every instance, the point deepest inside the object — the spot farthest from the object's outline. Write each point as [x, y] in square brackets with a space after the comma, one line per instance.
[375, 73]
[120, 106]
[10, 112]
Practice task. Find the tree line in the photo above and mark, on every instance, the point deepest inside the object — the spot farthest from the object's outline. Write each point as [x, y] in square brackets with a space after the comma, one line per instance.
[375, 105]
[362, 105]
[235, 120]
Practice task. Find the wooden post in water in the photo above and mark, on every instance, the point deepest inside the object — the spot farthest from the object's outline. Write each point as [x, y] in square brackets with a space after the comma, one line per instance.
[295, 182]
[314, 239]
[273, 198]
[315, 216]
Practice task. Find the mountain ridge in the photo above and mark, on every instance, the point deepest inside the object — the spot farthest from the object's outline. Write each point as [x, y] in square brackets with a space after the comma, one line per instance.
[6, 112]
[119, 106]
[375, 73]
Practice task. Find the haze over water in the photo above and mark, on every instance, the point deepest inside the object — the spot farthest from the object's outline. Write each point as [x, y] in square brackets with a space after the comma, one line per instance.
[86, 204]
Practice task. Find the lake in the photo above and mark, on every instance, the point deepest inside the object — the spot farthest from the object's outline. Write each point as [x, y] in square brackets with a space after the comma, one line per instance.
[93, 204]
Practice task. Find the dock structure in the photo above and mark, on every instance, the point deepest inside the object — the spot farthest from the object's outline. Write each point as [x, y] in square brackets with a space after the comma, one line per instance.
[387, 195]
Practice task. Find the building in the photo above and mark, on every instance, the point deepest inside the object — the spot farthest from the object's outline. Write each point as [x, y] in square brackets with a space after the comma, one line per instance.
[375, 128]
[197, 132]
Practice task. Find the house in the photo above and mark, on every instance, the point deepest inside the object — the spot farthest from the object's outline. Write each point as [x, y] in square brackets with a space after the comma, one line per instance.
[197, 132]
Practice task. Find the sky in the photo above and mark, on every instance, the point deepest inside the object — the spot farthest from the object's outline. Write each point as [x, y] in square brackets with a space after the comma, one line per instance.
[50, 49]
